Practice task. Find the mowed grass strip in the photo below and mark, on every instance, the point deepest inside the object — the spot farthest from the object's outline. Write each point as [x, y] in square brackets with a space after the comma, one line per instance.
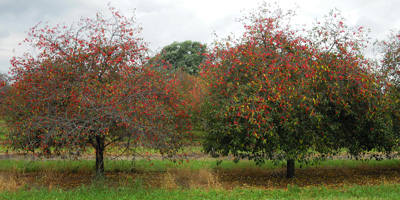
[157, 165]
[137, 191]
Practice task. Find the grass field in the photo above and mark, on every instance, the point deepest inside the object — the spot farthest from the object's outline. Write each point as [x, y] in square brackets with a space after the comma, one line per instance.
[137, 191]
[197, 178]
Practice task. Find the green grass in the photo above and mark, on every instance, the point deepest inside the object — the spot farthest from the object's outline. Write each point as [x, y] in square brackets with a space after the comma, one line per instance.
[55, 165]
[137, 191]
[67, 165]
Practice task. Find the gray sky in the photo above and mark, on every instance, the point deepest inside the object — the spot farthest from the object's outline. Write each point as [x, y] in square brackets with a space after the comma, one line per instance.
[166, 21]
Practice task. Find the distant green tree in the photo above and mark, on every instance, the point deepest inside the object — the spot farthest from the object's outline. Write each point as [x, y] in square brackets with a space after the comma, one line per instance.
[186, 56]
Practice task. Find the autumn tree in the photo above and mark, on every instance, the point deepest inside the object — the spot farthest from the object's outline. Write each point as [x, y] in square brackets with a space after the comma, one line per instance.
[389, 50]
[390, 62]
[353, 80]
[274, 95]
[4, 85]
[89, 84]
[182, 60]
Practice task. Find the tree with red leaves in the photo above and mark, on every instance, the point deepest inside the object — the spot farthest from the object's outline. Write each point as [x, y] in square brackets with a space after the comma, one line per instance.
[89, 84]
[390, 62]
[277, 94]
[182, 60]
[390, 69]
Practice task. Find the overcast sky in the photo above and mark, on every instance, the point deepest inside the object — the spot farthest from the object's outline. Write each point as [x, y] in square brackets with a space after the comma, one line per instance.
[166, 21]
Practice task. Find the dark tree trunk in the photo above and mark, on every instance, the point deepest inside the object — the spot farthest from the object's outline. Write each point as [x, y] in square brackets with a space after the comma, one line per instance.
[99, 146]
[290, 168]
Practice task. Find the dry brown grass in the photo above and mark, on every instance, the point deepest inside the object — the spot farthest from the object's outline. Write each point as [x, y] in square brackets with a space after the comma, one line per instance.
[48, 178]
[206, 178]
[12, 180]
[15, 179]
[189, 178]
[330, 177]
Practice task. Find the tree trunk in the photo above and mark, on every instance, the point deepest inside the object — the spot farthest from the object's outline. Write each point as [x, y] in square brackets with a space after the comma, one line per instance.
[290, 168]
[99, 155]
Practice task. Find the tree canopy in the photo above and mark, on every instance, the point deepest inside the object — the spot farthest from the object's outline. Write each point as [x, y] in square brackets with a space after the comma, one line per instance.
[186, 56]
[390, 48]
[89, 85]
[275, 95]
